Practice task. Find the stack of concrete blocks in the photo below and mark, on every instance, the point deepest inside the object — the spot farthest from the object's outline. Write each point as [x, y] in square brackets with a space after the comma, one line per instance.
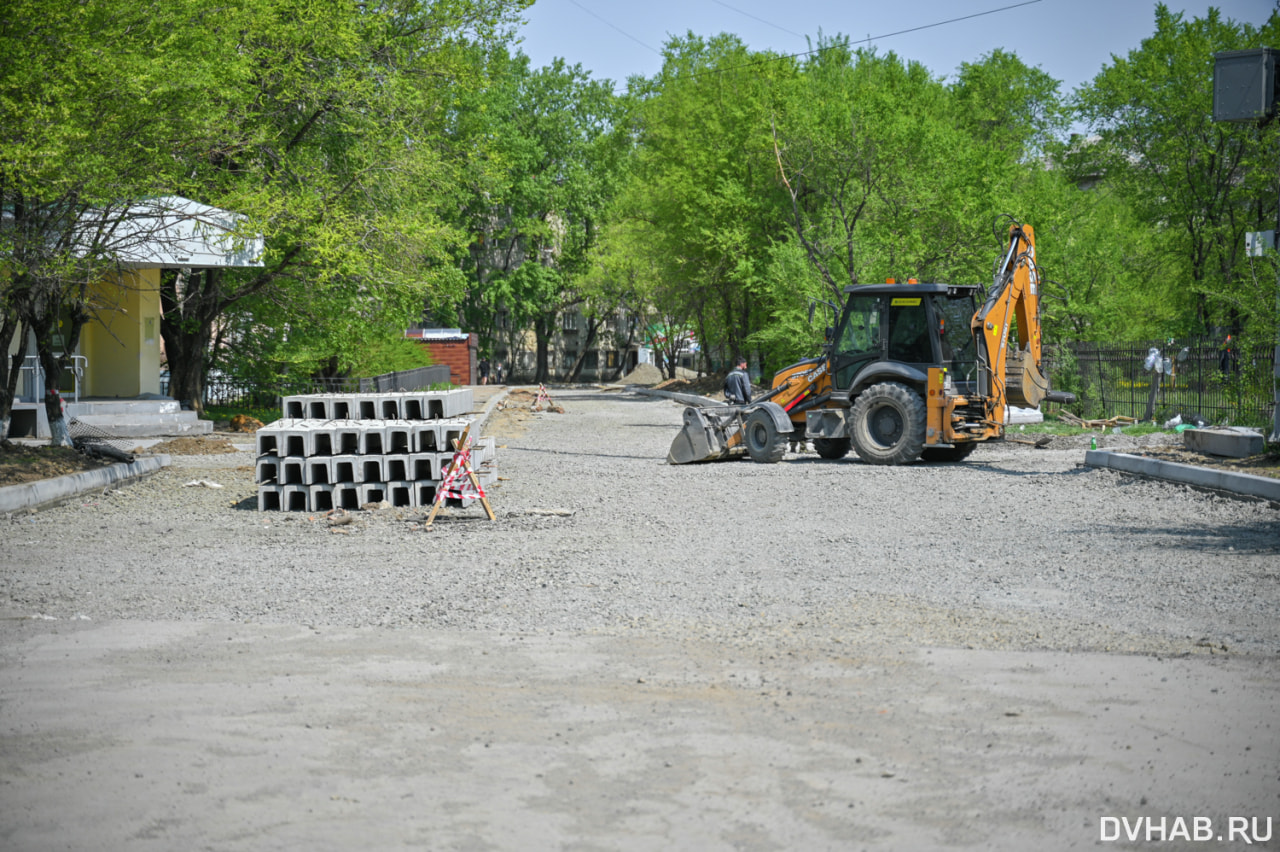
[342, 451]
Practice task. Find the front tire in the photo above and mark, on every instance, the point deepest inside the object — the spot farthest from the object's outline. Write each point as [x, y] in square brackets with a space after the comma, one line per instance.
[887, 424]
[765, 444]
[958, 452]
[832, 448]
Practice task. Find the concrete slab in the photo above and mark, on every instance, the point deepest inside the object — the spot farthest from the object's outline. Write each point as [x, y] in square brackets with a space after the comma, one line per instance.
[373, 439]
[398, 467]
[424, 466]
[1024, 415]
[1233, 443]
[346, 496]
[319, 470]
[293, 471]
[372, 492]
[146, 425]
[269, 498]
[295, 498]
[370, 469]
[122, 406]
[401, 493]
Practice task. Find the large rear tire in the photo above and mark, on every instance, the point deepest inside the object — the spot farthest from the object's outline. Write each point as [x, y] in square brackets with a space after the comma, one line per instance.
[958, 452]
[887, 424]
[832, 448]
[765, 443]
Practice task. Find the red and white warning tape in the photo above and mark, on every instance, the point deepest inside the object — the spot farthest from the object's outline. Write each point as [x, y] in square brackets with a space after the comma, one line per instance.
[458, 470]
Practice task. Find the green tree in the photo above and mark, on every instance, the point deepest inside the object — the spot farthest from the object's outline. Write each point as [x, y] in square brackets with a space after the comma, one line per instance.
[703, 189]
[1003, 102]
[92, 113]
[555, 148]
[1196, 185]
[323, 124]
[336, 148]
[889, 175]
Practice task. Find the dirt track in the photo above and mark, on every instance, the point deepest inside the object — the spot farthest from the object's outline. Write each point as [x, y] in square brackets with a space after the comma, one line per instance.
[816, 655]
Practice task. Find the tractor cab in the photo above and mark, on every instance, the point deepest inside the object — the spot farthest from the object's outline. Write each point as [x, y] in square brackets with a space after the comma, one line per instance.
[899, 331]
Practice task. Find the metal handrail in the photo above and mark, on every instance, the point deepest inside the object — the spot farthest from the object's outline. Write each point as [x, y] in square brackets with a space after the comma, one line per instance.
[31, 378]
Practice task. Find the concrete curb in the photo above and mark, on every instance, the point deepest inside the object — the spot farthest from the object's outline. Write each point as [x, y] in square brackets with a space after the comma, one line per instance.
[489, 406]
[686, 398]
[50, 492]
[1243, 484]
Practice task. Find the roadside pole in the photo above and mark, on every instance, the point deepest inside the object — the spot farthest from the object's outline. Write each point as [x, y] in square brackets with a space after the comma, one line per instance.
[1244, 90]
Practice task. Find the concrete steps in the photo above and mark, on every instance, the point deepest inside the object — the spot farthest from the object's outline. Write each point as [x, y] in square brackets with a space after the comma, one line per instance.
[135, 418]
[95, 407]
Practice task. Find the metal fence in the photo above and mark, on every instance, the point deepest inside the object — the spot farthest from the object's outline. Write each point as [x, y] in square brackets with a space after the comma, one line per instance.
[1200, 375]
[254, 393]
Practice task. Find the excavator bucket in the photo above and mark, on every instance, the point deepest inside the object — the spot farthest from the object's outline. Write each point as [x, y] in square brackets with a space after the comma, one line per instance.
[707, 436]
[1025, 385]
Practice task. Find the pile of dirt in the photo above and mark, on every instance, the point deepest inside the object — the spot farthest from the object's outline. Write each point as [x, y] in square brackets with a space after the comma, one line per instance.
[244, 423]
[1263, 464]
[21, 464]
[644, 374]
[529, 399]
[708, 386]
[511, 416]
[648, 375]
[206, 445]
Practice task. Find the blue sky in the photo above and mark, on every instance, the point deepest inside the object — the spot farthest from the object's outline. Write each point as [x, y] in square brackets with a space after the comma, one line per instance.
[1069, 39]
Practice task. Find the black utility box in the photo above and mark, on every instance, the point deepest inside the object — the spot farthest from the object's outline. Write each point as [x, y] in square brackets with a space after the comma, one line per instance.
[1244, 84]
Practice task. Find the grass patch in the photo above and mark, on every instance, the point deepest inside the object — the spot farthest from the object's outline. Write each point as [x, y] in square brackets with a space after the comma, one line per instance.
[1053, 427]
[226, 412]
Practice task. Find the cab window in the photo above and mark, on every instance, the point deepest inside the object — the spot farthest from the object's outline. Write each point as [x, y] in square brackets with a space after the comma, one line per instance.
[954, 316]
[860, 334]
[909, 339]
[859, 338]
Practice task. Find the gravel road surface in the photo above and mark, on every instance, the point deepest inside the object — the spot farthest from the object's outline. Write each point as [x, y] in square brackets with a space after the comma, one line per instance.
[1009, 652]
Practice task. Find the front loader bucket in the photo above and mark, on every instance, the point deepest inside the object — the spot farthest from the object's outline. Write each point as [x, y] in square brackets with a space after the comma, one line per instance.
[703, 439]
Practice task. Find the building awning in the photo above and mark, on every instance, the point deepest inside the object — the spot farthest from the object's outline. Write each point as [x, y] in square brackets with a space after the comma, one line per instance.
[172, 231]
[437, 334]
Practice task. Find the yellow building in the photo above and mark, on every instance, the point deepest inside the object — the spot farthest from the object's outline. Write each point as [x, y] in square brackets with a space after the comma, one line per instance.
[119, 353]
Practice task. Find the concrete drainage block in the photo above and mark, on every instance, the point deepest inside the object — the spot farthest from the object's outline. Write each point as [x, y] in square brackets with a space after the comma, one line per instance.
[1232, 442]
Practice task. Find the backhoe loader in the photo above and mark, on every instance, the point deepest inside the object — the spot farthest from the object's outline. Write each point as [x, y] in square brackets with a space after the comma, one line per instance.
[910, 371]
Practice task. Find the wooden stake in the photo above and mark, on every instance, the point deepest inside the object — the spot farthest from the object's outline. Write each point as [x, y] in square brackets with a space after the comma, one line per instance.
[458, 444]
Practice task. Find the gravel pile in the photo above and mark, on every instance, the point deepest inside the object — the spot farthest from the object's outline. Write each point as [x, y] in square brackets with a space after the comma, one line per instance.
[1014, 548]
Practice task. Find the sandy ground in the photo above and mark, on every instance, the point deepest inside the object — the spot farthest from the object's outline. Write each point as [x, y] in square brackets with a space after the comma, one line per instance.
[184, 736]
[764, 734]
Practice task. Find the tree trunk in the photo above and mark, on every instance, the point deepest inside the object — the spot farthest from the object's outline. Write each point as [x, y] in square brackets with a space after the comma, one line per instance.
[542, 333]
[10, 370]
[54, 365]
[701, 322]
[625, 352]
[192, 302]
[593, 326]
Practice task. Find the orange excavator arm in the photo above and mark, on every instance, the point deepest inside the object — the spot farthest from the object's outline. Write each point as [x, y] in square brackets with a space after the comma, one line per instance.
[1012, 377]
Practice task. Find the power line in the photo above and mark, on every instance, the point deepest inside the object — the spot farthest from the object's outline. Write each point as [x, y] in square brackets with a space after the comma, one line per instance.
[754, 18]
[949, 21]
[868, 39]
[615, 27]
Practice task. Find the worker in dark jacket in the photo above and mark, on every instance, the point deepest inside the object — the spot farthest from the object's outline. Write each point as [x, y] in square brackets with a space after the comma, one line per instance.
[737, 385]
